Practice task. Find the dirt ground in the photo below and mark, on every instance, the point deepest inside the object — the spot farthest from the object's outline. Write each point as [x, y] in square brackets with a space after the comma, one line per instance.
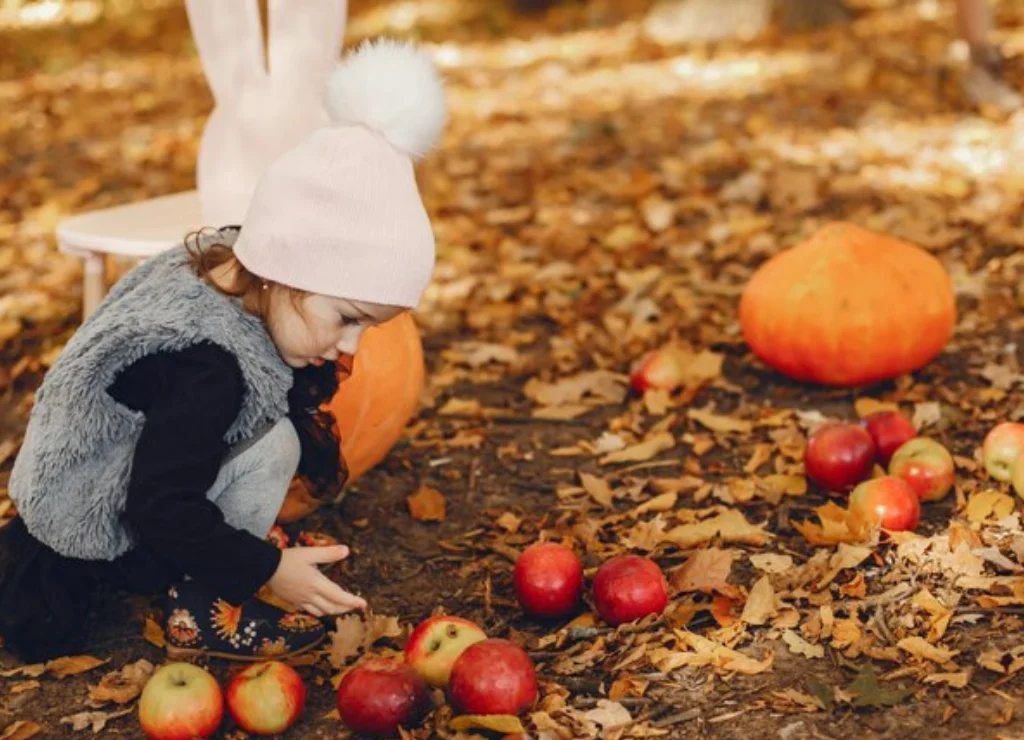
[572, 134]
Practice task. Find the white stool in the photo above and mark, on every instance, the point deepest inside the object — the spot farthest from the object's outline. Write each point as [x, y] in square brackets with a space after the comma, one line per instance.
[267, 98]
[134, 230]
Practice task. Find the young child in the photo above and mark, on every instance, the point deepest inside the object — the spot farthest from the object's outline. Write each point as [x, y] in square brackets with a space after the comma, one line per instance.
[162, 442]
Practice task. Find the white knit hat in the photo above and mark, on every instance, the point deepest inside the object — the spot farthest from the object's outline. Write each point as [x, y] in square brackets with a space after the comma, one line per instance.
[341, 214]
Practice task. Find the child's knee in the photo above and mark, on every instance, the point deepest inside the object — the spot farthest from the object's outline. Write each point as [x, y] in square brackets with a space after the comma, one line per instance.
[282, 450]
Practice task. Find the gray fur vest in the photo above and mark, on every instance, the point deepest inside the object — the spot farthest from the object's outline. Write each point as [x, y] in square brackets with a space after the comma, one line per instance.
[70, 480]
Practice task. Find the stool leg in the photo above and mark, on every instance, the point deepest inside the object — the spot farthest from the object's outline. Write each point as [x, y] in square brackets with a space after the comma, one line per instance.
[94, 282]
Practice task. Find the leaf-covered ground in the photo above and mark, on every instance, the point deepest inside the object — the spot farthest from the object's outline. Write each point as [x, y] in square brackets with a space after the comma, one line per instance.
[604, 188]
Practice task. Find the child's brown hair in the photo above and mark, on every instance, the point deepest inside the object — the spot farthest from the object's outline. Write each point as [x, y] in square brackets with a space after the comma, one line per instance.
[321, 466]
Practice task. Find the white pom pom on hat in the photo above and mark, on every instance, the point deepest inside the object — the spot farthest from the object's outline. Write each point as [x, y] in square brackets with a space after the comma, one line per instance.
[341, 214]
[393, 88]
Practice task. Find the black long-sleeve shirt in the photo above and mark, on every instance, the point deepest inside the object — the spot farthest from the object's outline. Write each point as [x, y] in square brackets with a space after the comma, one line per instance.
[190, 399]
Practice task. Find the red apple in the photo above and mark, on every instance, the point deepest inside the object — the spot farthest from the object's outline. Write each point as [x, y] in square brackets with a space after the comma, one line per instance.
[661, 369]
[1002, 446]
[926, 466]
[629, 587]
[548, 580]
[436, 643]
[266, 698]
[493, 676]
[180, 701]
[379, 695]
[888, 501]
[839, 456]
[889, 429]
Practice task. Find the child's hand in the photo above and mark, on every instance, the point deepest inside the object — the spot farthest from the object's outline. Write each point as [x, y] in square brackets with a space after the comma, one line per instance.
[298, 581]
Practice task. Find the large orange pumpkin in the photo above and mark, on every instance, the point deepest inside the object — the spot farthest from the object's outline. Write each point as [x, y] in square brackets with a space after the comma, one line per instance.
[374, 405]
[848, 306]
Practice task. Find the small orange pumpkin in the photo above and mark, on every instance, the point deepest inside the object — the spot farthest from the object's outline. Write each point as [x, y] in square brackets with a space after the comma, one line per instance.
[848, 306]
[374, 405]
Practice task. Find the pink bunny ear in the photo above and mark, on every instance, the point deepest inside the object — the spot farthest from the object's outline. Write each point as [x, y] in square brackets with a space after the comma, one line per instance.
[304, 40]
[230, 43]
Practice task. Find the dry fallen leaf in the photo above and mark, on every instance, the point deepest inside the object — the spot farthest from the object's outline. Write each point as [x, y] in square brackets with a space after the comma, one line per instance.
[855, 589]
[921, 648]
[707, 652]
[956, 680]
[95, 721]
[1005, 662]
[792, 700]
[347, 639]
[461, 407]
[718, 423]
[730, 525]
[707, 571]
[598, 489]
[33, 670]
[22, 686]
[656, 401]
[761, 603]
[153, 633]
[121, 686]
[705, 366]
[800, 646]
[645, 535]
[73, 665]
[379, 625]
[504, 723]
[354, 634]
[21, 730]
[777, 486]
[926, 415]
[478, 354]
[865, 406]
[627, 687]
[601, 385]
[837, 525]
[661, 502]
[771, 562]
[609, 715]
[845, 556]
[426, 504]
[509, 522]
[986, 504]
[643, 451]
[563, 412]
[939, 613]
[845, 632]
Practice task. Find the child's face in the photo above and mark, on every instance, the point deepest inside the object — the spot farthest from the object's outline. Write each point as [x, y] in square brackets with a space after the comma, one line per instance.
[318, 329]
